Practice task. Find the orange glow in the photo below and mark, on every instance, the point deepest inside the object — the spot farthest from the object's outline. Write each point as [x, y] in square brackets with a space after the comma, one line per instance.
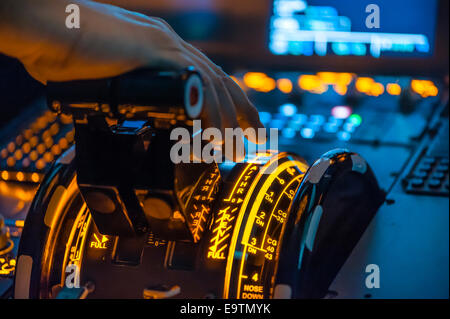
[5, 175]
[40, 164]
[10, 161]
[18, 155]
[335, 78]
[34, 156]
[328, 77]
[26, 148]
[259, 81]
[11, 147]
[393, 89]
[424, 88]
[20, 177]
[344, 78]
[284, 85]
[377, 89]
[340, 89]
[35, 177]
[20, 223]
[311, 83]
[364, 84]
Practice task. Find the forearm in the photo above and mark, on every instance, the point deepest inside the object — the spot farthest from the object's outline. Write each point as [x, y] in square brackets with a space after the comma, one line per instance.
[35, 32]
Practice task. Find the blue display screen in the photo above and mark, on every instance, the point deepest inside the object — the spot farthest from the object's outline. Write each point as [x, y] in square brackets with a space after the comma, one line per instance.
[403, 28]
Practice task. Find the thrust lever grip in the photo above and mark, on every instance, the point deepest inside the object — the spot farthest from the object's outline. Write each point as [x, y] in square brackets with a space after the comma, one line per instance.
[141, 94]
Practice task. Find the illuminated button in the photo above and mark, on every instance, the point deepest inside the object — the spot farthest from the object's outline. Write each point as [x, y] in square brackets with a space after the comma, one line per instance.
[335, 121]
[4, 153]
[48, 142]
[20, 177]
[40, 164]
[316, 127]
[54, 129]
[377, 89]
[341, 111]
[307, 133]
[5, 175]
[70, 136]
[340, 89]
[288, 109]
[45, 135]
[284, 85]
[41, 122]
[317, 119]
[19, 140]
[26, 148]
[288, 133]
[355, 119]
[18, 155]
[393, 89]
[364, 84]
[330, 128]
[63, 143]
[11, 161]
[26, 162]
[349, 127]
[34, 141]
[34, 156]
[294, 125]
[48, 157]
[56, 150]
[344, 136]
[35, 177]
[300, 119]
[28, 134]
[41, 148]
[11, 147]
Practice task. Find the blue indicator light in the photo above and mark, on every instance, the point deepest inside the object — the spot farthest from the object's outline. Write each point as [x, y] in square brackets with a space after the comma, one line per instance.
[317, 119]
[300, 118]
[344, 136]
[331, 128]
[288, 109]
[359, 49]
[335, 121]
[340, 48]
[307, 133]
[349, 127]
[288, 133]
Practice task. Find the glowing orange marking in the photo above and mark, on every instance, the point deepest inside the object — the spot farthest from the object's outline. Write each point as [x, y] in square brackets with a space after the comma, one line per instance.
[251, 218]
[299, 177]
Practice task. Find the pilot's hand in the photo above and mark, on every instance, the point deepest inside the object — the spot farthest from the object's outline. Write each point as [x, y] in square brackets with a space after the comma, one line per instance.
[111, 41]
